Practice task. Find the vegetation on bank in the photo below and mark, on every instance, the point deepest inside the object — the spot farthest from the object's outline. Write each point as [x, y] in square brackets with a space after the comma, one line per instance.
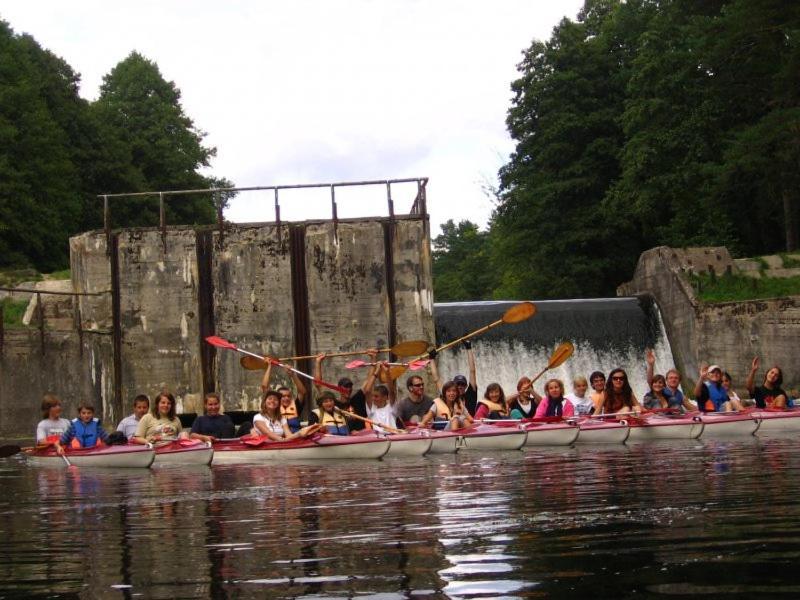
[58, 151]
[739, 288]
[13, 311]
[641, 123]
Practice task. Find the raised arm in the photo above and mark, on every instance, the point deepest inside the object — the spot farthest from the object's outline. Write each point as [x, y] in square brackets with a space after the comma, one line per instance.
[318, 371]
[265, 378]
[437, 380]
[473, 368]
[650, 357]
[369, 381]
[750, 383]
[698, 387]
[301, 388]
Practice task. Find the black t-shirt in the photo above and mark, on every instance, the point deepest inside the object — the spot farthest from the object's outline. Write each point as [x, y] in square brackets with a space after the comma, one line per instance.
[764, 397]
[219, 426]
[470, 399]
[358, 405]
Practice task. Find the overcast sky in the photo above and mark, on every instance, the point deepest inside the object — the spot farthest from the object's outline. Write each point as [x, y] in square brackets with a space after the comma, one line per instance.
[317, 91]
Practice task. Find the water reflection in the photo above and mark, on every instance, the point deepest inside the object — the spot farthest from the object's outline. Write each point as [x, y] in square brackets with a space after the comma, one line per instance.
[683, 518]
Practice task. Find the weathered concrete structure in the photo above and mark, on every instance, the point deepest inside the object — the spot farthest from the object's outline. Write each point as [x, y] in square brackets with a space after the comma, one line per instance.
[277, 288]
[726, 333]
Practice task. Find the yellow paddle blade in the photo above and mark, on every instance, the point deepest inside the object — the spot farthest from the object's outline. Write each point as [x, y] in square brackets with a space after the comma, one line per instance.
[562, 353]
[251, 363]
[519, 312]
[410, 348]
[394, 373]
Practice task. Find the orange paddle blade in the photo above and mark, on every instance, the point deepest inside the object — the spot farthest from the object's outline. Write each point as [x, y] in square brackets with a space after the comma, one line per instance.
[394, 373]
[519, 312]
[251, 363]
[410, 348]
[562, 353]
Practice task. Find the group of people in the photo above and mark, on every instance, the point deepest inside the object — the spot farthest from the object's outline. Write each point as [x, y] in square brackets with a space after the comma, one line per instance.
[376, 404]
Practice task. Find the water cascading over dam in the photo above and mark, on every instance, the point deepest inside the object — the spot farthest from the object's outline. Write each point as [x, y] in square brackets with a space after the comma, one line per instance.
[607, 333]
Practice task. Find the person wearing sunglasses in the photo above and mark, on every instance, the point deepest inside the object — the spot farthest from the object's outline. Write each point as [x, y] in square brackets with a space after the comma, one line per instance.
[414, 407]
[618, 397]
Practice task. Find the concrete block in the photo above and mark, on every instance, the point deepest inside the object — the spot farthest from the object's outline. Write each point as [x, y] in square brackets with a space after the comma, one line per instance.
[783, 273]
[91, 273]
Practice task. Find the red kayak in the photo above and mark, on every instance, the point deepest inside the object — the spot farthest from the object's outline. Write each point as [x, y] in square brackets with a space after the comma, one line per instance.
[316, 447]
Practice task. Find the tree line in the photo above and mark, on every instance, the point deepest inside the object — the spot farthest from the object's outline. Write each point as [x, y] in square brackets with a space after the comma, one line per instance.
[58, 151]
[640, 123]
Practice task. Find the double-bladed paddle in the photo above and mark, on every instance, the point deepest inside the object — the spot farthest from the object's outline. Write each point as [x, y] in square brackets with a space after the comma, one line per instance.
[223, 343]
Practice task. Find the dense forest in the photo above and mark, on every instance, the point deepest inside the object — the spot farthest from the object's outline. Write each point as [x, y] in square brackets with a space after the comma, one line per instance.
[641, 123]
[58, 151]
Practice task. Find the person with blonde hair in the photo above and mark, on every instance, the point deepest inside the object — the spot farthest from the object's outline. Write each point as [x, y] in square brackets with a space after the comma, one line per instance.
[581, 403]
[553, 403]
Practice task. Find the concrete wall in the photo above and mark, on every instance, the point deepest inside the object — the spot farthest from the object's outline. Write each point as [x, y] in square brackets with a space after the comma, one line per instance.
[728, 334]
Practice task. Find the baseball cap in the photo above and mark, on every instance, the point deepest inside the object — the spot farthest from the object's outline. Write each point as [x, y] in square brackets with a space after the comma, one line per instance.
[460, 380]
[714, 368]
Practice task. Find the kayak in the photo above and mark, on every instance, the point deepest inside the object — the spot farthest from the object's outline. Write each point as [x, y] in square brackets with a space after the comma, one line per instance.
[599, 431]
[125, 456]
[184, 452]
[775, 420]
[727, 425]
[665, 427]
[492, 437]
[551, 434]
[315, 448]
[414, 443]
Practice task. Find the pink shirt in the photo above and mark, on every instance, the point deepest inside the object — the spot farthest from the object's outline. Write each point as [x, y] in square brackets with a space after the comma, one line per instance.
[567, 409]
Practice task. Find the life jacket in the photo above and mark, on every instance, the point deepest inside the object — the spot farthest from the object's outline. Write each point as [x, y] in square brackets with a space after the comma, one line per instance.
[291, 415]
[717, 397]
[496, 411]
[334, 423]
[442, 410]
[86, 434]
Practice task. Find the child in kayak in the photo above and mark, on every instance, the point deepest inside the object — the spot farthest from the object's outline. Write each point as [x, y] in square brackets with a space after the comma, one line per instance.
[53, 425]
[522, 405]
[128, 425]
[327, 417]
[553, 403]
[580, 402]
[83, 432]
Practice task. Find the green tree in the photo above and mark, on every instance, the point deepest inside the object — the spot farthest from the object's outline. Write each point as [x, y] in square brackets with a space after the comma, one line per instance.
[461, 263]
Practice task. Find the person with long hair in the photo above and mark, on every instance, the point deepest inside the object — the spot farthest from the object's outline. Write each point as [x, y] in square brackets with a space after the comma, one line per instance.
[270, 423]
[327, 417]
[493, 404]
[769, 394]
[53, 425]
[448, 411]
[553, 403]
[160, 424]
[522, 405]
[618, 397]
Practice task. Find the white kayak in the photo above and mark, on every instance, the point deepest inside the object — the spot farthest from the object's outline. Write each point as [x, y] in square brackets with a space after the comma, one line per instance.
[599, 431]
[492, 437]
[777, 421]
[444, 442]
[184, 452]
[728, 425]
[414, 443]
[551, 434]
[665, 427]
[125, 456]
[322, 447]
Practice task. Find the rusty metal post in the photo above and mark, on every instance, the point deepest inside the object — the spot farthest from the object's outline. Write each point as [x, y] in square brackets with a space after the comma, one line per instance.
[162, 220]
[335, 215]
[40, 309]
[107, 223]
[2, 327]
[389, 200]
[278, 216]
[220, 225]
[76, 312]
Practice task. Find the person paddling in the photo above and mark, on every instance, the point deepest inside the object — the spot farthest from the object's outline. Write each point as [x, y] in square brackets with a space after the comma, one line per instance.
[327, 417]
[553, 403]
[617, 396]
[128, 425]
[493, 404]
[212, 425]
[52, 426]
[272, 424]
[83, 432]
[161, 423]
[447, 412]
[769, 394]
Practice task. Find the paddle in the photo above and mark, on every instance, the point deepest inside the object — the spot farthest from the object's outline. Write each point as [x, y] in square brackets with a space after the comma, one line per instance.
[515, 314]
[561, 354]
[222, 343]
[11, 450]
[353, 415]
[414, 365]
[408, 348]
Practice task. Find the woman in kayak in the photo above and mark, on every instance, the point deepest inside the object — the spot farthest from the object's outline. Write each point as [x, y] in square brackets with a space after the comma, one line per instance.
[522, 405]
[53, 425]
[327, 417]
[671, 388]
[211, 425]
[493, 404]
[727, 384]
[272, 424]
[160, 424]
[580, 401]
[769, 394]
[553, 403]
[655, 398]
[618, 397]
[291, 404]
[447, 412]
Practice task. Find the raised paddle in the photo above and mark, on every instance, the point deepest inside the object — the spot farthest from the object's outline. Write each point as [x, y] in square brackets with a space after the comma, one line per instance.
[414, 365]
[223, 343]
[560, 354]
[515, 314]
[353, 415]
[409, 348]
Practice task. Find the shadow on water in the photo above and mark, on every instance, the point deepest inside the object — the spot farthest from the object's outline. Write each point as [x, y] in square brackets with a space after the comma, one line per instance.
[678, 519]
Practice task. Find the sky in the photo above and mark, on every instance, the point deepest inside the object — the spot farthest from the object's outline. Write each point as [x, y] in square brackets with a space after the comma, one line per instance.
[322, 91]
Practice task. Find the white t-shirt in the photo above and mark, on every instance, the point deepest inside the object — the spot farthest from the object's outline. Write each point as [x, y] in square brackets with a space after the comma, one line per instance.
[128, 426]
[382, 416]
[582, 405]
[275, 427]
[48, 427]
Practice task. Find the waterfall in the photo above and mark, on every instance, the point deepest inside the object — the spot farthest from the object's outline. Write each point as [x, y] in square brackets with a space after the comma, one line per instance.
[607, 333]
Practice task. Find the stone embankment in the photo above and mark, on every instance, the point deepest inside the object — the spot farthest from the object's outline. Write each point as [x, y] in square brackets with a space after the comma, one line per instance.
[726, 333]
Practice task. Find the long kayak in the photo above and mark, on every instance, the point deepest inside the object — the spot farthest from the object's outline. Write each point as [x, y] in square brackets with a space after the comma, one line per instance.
[492, 437]
[665, 427]
[776, 421]
[601, 431]
[316, 448]
[564, 433]
[412, 443]
[184, 452]
[728, 425]
[125, 456]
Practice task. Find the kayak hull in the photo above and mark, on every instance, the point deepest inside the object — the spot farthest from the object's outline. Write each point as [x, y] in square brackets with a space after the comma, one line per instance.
[722, 426]
[444, 442]
[665, 428]
[551, 434]
[327, 447]
[116, 457]
[777, 421]
[603, 432]
[175, 453]
[491, 437]
[409, 444]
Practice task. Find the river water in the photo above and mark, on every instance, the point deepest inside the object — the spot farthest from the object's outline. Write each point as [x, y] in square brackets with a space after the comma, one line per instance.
[676, 519]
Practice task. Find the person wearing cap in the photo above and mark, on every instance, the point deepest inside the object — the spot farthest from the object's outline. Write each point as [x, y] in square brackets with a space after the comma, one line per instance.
[711, 395]
[327, 416]
[355, 402]
[468, 390]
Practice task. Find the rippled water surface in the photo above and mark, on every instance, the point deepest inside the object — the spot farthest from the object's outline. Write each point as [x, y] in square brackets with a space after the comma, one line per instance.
[682, 519]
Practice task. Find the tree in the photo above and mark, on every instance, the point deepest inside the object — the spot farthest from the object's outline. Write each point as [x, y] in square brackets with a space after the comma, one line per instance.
[462, 267]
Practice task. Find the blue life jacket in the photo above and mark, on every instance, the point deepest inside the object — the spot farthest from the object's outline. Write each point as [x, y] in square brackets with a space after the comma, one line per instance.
[673, 400]
[717, 395]
[86, 433]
